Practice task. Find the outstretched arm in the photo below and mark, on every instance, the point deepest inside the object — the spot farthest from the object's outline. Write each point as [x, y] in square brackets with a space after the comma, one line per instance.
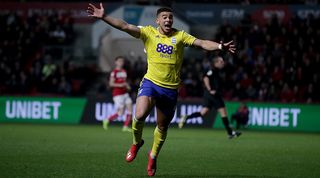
[211, 45]
[120, 24]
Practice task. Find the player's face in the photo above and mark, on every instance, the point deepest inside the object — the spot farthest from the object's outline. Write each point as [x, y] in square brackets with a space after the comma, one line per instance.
[165, 21]
[120, 63]
[219, 63]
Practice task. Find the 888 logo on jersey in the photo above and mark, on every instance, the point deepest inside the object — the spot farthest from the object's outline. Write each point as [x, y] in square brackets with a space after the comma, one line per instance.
[163, 48]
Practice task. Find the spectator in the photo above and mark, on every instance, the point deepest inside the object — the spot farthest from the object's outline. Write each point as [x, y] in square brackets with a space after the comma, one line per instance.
[241, 116]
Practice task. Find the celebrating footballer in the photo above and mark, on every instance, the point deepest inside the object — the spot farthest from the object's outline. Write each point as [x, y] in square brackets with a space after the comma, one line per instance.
[164, 47]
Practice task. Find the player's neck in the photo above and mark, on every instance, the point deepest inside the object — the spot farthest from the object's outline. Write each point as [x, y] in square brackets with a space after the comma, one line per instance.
[163, 33]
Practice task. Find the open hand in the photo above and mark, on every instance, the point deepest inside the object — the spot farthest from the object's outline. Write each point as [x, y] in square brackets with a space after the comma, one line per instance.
[228, 46]
[93, 11]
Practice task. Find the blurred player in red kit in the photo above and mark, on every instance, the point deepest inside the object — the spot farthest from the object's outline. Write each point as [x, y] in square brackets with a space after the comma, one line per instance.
[121, 98]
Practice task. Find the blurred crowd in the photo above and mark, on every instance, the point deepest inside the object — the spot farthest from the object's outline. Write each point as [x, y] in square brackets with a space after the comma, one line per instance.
[24, 66]
[275, 62]
[255, 1]
[169, 2]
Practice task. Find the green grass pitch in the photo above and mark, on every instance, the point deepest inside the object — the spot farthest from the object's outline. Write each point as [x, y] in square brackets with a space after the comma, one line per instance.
[37, 150]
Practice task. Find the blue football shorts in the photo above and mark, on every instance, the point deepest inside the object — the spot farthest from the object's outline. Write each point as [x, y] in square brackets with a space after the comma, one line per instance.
[166, 98]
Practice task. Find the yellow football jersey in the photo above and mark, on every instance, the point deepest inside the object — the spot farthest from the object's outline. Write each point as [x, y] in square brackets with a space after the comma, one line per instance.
[164, 55]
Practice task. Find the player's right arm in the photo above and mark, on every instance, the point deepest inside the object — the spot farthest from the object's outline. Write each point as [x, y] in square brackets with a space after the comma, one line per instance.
[120, 24]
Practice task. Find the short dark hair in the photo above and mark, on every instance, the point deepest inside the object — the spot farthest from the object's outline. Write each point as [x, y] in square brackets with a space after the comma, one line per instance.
[119, 57]
[163, 9]
[216, 59]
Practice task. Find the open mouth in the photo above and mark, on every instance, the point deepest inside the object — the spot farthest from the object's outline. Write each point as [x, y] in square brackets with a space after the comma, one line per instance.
[167, 26]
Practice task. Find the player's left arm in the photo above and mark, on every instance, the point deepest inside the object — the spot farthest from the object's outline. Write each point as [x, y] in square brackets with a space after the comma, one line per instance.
[211, 45]
[206, 82]
[128, 86]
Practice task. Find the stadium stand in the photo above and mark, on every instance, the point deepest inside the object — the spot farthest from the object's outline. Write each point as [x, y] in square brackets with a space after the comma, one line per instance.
[275, 62]
[25, 66]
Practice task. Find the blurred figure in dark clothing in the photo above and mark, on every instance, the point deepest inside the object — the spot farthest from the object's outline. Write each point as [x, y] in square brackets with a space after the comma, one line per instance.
[241, 116]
